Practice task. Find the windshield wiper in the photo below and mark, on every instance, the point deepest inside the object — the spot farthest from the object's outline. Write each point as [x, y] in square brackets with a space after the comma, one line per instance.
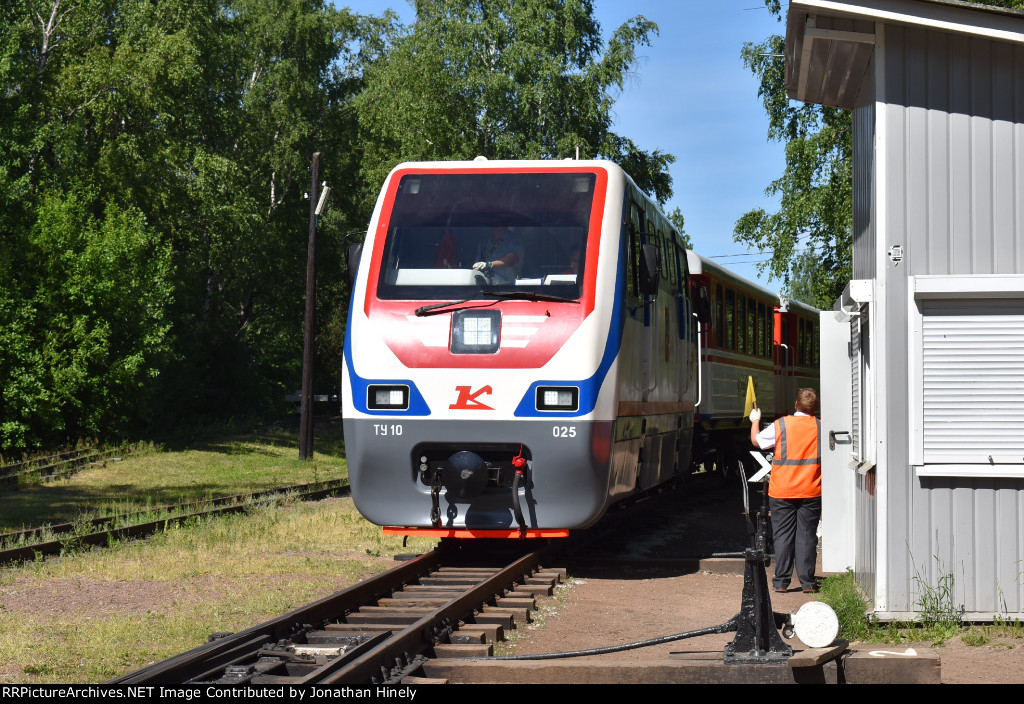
[529, 296]
[449, 306]
[435, 308]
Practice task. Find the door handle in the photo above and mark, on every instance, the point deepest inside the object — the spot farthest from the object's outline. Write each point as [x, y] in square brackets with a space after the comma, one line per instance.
[832, 437]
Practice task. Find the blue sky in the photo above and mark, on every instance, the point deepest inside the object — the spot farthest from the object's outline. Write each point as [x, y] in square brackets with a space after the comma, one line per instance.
[692, 97]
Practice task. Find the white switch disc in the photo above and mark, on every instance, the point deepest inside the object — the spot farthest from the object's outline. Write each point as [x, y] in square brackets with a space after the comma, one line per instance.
[816, 624]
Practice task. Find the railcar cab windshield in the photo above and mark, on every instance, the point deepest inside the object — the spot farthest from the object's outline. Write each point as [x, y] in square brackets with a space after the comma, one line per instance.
[464, 235]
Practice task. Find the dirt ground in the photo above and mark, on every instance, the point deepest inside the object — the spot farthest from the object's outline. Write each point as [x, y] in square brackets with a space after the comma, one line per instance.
[599, 609]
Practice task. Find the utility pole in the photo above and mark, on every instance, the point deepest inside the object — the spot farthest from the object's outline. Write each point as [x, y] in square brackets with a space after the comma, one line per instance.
[306, 407]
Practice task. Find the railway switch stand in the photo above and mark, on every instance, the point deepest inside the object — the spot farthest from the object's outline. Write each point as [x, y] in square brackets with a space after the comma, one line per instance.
[757, 625]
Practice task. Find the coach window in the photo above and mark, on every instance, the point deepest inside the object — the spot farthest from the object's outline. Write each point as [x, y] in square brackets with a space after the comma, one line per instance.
[677, 261]
[801, 342]
[663, 256]
[751, 327]
[719, 316]
[730, 319]
[809, 341]
[770, 333]
[798, 355]
[817, 344]
[673, 263]
[636, 222]
[741, 322]
[762, 348]
[812, 343]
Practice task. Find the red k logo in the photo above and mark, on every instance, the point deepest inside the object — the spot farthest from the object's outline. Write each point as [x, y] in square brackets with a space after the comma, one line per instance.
[467, 399]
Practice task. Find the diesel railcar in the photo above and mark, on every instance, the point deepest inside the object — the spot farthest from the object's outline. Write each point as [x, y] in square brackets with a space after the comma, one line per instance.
[521, 349]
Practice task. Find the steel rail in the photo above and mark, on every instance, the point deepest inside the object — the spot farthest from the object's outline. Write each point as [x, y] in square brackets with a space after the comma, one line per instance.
[46, 460]
[272, 653]
[201, 660]
[62, 466]
[222, 506]
[420, 635]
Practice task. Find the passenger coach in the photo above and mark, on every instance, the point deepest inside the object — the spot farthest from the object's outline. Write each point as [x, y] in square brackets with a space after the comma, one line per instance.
[753, 336]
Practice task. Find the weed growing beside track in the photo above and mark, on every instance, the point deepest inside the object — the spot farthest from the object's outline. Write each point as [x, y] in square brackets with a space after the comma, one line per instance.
[93, 614]
[941, 619]
[90, 616]
[152, 476]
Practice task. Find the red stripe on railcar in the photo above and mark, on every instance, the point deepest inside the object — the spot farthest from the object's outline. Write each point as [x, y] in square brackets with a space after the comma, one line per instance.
[464, 533]
[391, 317]
[397, 323]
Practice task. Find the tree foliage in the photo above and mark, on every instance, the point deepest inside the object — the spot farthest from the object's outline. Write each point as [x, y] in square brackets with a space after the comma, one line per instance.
[810, 236]
[679, 222]
[503, 79]
[154, 158]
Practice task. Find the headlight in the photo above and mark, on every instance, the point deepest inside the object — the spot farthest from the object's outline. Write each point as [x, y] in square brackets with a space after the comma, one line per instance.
[558, 398]
[380, 397]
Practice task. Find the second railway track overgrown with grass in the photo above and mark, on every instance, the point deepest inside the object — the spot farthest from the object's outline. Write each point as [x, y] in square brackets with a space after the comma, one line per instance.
[156, 476]
[91, 615]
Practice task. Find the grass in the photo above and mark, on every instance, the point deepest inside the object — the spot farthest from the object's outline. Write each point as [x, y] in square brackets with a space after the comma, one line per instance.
[155, 476]
[939, 614]
[940, 618]
[842, 594]
[93, 615]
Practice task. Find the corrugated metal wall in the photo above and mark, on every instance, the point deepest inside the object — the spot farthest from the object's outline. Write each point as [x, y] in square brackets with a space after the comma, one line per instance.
[864, 243]
[954, 199]
[863, 180]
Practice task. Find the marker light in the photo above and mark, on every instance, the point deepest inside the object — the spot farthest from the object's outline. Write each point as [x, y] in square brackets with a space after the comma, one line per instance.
[558, 398]
[387, 397]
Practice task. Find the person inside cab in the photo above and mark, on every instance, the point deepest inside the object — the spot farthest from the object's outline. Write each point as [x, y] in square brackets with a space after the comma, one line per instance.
[500, 256]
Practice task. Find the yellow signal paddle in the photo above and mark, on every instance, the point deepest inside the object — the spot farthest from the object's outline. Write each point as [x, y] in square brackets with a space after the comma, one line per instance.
[751, 403]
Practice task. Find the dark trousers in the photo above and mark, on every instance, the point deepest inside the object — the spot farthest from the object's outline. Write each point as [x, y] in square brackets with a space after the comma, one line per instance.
[795, 528]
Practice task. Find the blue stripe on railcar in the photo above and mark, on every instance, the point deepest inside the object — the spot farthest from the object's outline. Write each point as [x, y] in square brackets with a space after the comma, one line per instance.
[417, 404]
[591, 387]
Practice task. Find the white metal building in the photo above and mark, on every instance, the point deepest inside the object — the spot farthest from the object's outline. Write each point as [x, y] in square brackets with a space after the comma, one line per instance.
[926, 478]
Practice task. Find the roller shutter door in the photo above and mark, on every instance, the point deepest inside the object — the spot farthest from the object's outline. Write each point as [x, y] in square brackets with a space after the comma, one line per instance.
[973, 381]
[855, 385]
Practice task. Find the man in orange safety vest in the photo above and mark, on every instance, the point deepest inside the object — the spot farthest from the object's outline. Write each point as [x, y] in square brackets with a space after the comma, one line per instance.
[794, 490]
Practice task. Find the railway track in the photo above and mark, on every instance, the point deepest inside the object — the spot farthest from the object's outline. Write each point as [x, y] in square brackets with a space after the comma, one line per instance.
[447, 603]
[98, 532]
[58, 466]
[453, 603]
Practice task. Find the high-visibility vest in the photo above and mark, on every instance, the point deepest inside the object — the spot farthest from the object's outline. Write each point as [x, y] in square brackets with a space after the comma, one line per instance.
[796, 468]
